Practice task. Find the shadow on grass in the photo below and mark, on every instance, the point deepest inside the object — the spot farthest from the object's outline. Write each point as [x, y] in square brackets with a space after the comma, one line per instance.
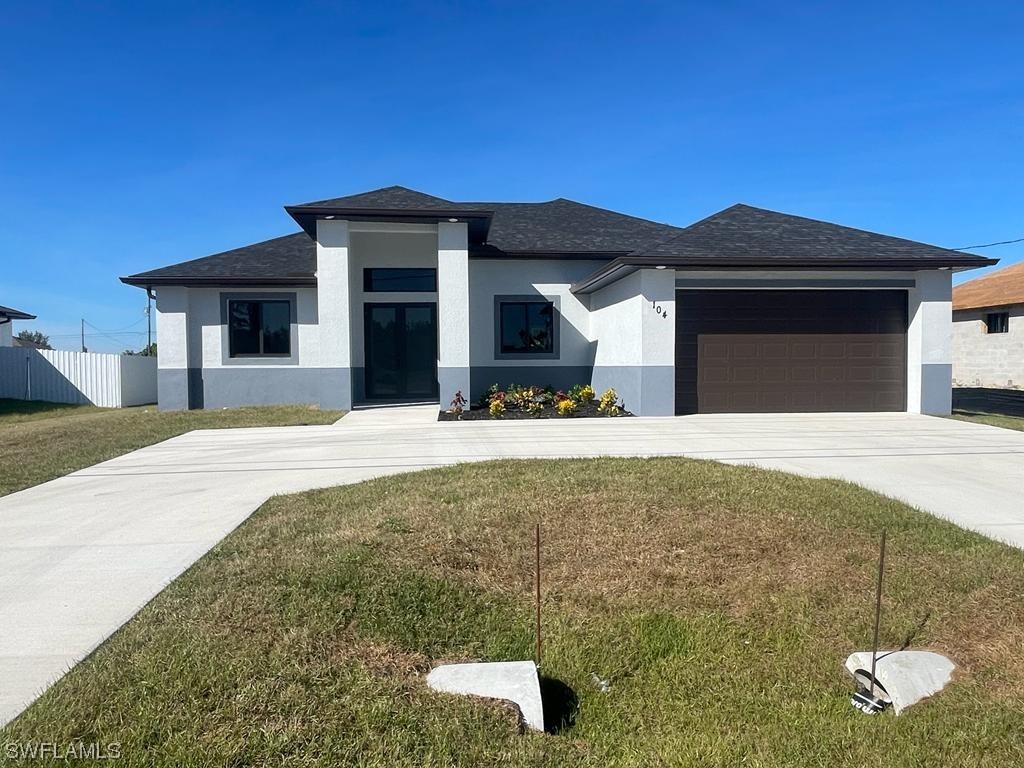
[29, 407]
[560, 705]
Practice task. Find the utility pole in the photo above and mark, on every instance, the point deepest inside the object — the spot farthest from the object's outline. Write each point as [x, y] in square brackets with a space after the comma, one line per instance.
[83, 334]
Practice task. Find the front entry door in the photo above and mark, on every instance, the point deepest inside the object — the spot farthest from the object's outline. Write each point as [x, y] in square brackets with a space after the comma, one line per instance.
[401, 351]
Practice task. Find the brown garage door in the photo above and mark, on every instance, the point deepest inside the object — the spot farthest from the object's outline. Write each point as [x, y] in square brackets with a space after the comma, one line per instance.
[790, 351]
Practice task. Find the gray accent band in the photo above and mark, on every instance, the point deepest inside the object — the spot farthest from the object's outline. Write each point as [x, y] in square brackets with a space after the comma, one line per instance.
[172, 389]
[335, 388]
[557, 376]
[645, 390]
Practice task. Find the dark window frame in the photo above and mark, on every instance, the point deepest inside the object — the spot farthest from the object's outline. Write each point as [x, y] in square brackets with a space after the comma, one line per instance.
[997, 322]
[369, 286]
[228, 358]
[500, 353]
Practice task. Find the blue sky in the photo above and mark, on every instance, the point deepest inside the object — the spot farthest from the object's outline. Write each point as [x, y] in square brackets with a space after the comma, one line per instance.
[136, 135]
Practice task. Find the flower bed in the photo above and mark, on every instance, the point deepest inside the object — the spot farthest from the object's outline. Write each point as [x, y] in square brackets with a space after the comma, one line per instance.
[532, 402]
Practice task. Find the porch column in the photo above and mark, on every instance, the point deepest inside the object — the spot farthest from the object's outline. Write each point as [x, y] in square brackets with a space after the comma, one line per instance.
[452, 310]
[333, 310]
[172, 338]
[930, 343]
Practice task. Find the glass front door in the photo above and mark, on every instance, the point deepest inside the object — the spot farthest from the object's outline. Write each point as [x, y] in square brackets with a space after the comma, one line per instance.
[401, 351]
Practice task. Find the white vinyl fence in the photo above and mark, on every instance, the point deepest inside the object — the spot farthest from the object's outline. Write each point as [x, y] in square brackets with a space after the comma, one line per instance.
[88, 378]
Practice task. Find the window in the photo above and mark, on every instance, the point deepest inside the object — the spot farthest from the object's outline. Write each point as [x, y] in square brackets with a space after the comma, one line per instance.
[997, 322]
[526, 327]
[394, 280]
[259, 328]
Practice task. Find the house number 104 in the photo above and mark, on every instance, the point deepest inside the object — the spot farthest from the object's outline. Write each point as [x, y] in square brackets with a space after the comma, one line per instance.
[659, 309]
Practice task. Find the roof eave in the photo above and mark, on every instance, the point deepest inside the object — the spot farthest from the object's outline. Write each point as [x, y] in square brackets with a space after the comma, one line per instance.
[142, 281]
[306, 216]
[16, 315]
[623, 266]
[996, 306]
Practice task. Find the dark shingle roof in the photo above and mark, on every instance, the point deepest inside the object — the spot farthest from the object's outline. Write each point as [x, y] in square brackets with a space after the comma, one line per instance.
[15, 314]
[743, 232]
[740, 235]
[386, 197]
[565, 226]
[555, 226]
[287, 259]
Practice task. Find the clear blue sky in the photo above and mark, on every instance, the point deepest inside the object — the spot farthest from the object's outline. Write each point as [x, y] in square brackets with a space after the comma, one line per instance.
[135, 136]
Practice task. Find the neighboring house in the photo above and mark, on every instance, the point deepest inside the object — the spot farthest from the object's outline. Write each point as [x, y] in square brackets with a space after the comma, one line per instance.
[988, 330]
[7, 315]
[395, 295]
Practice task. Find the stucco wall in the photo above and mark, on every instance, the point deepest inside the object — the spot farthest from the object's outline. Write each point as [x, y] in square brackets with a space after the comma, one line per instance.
[632, 322]
[982, 359]
[195, 369]
[543, 279]
[5, 335]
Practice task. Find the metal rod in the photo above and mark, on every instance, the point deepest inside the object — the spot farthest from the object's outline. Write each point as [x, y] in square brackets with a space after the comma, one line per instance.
[537, 572]
[878, 611]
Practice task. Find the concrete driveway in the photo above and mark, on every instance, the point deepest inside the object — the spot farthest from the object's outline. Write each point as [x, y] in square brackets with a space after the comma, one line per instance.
[80, 555]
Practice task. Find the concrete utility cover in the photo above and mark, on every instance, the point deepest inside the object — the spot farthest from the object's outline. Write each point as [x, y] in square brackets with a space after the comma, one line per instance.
[907, 676]
[514, 681]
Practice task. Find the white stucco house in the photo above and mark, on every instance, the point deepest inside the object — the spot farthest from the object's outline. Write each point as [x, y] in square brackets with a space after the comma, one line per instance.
[396, 295]
[988, 330]
[7, 318]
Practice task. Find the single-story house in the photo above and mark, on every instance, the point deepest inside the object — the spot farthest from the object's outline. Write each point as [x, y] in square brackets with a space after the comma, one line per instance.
[7, 316]
[396, 295]
[988, 330]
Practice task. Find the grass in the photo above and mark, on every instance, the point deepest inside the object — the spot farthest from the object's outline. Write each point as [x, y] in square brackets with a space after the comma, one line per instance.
[720, 603]
[41, 441]
[992, 419]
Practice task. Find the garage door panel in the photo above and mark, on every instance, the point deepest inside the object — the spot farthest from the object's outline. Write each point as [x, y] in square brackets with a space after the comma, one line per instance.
[763, 373]
[751, 351]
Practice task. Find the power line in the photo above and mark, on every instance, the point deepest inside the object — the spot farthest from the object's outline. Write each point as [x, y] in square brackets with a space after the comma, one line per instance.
[118, 330]
[989, 245]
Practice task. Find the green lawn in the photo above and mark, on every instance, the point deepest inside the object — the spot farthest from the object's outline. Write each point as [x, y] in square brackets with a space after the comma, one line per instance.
[41, 441]
[993, 419]
[720, 602]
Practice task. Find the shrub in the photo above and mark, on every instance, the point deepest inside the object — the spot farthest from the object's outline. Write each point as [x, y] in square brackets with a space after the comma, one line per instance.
[610, 405]
[521, 397]
[485, 398]
[566, 407]
[535, 408]
[497, 407]
[582, 393]
[458, 403]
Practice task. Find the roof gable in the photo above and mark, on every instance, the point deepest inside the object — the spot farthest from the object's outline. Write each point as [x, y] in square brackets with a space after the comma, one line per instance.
[998, 289]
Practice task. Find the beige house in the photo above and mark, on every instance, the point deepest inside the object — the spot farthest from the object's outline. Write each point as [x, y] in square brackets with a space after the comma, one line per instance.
[988, 330]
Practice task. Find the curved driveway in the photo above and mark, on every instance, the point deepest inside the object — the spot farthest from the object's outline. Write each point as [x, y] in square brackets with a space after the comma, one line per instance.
[81, 554]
